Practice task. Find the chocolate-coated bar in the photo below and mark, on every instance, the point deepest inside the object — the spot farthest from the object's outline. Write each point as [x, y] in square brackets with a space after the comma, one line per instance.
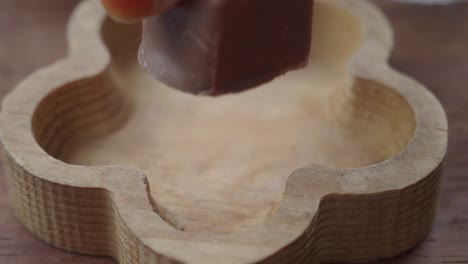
[223, 46]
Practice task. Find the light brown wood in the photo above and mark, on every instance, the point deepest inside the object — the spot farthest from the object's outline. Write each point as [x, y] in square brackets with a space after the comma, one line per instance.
[339, 162]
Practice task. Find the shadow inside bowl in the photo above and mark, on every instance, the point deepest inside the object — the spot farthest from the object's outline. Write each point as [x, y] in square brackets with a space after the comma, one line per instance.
[219, 165]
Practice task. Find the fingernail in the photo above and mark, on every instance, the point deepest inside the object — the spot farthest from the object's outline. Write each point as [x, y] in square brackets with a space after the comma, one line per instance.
[128, 10]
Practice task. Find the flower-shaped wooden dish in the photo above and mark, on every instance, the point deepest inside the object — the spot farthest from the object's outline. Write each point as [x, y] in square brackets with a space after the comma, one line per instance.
[338, 162]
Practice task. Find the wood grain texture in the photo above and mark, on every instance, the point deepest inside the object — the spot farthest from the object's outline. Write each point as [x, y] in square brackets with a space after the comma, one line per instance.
[25, 27]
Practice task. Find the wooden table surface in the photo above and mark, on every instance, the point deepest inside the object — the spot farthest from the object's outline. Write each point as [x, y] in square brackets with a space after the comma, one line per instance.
[432, 46]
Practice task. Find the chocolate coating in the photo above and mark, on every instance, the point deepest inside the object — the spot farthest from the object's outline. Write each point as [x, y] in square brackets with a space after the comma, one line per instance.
[216, 47]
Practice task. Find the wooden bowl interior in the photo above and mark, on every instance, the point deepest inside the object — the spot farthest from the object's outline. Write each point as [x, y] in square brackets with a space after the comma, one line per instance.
[218, 165]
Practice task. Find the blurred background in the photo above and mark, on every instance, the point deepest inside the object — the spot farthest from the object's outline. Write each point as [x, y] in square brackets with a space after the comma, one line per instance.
[431, 45]
[431, 2]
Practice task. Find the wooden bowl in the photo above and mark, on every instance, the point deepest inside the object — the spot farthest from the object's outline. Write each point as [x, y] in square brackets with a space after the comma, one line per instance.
[338, 162]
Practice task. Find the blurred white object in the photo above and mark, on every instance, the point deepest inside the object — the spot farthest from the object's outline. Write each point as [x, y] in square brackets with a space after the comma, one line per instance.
[431, 2]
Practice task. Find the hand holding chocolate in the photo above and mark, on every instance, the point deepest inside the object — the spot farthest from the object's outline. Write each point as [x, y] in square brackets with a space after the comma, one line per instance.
[214, 47]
